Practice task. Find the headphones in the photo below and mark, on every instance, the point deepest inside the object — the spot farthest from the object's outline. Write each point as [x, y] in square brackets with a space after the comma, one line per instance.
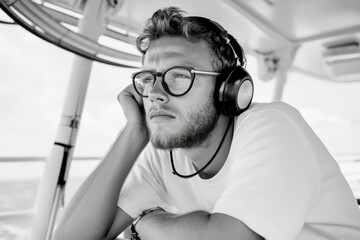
[234, 88]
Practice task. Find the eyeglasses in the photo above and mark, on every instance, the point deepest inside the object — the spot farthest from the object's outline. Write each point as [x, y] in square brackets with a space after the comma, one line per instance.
[176, 81]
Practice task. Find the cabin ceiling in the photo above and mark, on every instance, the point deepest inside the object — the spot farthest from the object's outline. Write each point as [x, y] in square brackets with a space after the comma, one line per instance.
[266, 26]
[306, 27]
[301, 21]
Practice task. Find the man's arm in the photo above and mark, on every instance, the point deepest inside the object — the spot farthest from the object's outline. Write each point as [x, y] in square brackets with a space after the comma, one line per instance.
[90, 214]
[196, 225]
[121, 222]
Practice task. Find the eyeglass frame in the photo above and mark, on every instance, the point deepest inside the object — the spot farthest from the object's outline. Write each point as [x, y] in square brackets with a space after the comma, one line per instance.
[192, 70]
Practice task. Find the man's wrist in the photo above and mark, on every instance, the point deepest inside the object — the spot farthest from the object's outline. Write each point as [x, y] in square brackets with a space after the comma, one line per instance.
[135, 134]
[134, 234]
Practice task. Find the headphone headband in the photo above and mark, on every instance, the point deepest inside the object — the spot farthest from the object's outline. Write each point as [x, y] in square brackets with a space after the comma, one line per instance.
[229, 39]
[234, 90]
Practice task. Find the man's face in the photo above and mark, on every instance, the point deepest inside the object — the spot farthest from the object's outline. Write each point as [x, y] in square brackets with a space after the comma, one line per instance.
[186, 121]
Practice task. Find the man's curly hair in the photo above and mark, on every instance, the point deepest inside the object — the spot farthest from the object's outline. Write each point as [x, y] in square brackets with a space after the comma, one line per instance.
[171, 22]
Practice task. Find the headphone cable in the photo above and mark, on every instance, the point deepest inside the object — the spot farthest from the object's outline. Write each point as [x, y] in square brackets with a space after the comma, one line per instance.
[206, 165]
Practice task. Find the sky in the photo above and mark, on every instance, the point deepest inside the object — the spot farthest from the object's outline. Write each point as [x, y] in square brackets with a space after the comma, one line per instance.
[34, 76]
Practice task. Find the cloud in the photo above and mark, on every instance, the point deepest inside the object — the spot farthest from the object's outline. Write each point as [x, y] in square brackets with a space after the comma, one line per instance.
[316, 116]
[34, 76]
[338, 132]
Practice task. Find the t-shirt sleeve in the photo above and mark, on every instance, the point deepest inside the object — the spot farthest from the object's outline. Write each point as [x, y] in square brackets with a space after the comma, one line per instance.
[143, 188]
[273, 179]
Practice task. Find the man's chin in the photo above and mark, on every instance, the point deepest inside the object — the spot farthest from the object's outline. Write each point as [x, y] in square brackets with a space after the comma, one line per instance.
[158, 144]
[161, 139]
[175, 141]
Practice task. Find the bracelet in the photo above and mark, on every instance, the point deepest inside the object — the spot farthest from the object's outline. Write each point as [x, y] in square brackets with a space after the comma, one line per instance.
[134, 233]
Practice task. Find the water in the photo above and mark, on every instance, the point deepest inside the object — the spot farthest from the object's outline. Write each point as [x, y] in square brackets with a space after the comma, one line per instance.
[19, 182]
[350, 167]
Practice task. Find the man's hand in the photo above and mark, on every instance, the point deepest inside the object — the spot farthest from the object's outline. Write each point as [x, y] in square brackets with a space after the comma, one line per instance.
[133, 107]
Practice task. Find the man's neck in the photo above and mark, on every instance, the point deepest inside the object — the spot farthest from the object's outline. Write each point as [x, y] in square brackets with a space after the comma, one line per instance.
[202, 154]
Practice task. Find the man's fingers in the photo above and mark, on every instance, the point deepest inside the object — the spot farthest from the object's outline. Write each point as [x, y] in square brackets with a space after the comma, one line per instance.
[130, 92]
[132, 105]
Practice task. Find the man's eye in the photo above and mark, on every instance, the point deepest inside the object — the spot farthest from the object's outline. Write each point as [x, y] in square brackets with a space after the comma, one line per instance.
[147, 80]
[179, 75]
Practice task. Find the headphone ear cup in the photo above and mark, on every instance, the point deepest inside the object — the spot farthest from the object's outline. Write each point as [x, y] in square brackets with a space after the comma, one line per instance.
[236, 91]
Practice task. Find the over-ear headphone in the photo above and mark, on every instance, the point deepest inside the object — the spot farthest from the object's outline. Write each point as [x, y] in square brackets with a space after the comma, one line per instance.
[234, 89]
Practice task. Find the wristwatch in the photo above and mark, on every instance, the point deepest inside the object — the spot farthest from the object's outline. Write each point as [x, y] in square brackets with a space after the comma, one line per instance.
[134, 234]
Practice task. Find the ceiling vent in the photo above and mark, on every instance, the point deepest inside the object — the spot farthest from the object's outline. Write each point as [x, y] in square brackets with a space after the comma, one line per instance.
[343, 56]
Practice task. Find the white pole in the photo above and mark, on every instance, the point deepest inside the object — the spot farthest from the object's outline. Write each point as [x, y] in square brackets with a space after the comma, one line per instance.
[280, 80]
[55, 173]
[286, 58]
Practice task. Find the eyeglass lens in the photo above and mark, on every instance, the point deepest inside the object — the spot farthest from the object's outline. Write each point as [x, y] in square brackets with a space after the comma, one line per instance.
[176, 80]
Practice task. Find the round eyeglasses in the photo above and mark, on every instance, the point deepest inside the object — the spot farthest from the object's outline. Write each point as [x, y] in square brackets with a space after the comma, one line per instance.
[176, 81]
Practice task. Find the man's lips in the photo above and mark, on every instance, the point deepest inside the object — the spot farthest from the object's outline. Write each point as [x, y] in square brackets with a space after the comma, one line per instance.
[160, 113]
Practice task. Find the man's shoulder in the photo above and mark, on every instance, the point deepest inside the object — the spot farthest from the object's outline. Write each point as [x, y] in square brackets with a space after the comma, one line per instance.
[265, 116]
[271, 106]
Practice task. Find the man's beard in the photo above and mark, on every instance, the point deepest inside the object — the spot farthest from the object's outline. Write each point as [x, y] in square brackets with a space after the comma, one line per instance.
[199, 127]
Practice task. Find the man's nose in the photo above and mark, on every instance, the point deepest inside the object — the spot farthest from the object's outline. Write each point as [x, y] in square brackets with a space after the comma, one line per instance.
[158, 93]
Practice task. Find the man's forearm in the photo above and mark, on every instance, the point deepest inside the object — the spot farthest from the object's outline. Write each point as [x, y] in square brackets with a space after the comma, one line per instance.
[92, 210]
[196, 225]
[163, 225]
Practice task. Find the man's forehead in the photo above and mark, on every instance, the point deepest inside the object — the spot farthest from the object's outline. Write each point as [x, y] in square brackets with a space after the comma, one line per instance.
[165, 53]
[176, 48]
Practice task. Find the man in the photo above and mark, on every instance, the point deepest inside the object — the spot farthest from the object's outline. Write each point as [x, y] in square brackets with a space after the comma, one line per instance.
[206, 174]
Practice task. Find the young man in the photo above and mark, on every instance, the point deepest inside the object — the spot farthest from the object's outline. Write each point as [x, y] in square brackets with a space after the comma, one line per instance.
[204, 174]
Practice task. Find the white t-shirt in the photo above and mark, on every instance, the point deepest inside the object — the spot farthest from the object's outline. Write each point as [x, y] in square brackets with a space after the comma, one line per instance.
[278, 179]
